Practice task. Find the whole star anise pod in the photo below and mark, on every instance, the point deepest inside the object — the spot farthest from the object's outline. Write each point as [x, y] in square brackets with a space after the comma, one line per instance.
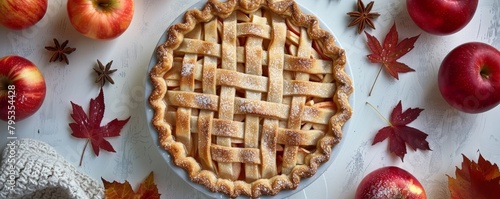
[104, 73]
[60, 51]
[363, 16]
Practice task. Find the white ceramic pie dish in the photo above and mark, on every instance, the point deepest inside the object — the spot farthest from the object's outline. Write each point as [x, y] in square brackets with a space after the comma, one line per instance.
[183, 174]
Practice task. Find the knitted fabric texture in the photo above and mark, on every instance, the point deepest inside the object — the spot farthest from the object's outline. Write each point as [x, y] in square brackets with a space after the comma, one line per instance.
[33, 169]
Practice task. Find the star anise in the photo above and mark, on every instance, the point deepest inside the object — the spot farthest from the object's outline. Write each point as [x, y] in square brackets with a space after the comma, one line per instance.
[60, 51]
[104, 72]
[363, 16]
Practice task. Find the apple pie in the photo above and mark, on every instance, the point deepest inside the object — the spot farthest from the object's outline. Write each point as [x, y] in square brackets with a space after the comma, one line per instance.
[249, 96]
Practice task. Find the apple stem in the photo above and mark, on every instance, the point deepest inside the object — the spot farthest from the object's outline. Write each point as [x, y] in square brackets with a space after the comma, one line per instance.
[4, 83]
[83, 152]
[373, 85]
[484, 73]
[379, 114]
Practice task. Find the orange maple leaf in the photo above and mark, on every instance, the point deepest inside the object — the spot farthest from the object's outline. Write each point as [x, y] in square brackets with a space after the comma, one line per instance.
[116, 190]
[479, 180]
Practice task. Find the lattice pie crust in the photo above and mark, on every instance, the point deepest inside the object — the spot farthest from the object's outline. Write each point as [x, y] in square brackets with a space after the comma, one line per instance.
[249, 96]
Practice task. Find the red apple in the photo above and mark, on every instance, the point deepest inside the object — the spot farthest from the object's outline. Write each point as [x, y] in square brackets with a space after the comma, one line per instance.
[20, 14]
[390, 182]
[441, 17]
[101, 19]
[469, 77]
[22, 88]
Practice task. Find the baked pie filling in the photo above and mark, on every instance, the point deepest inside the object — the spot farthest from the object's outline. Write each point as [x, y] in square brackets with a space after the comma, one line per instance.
[249, 96]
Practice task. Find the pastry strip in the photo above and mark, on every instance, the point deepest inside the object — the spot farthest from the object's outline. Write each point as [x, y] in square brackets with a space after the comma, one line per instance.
[231, 155]
[274, 95]
[205, 119]
[253, 60]
[226, 107]
[182, 130]
[297, 105]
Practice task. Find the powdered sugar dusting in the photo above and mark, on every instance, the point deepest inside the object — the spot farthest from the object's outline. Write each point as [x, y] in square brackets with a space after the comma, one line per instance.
[224, 128]
[250, 156]
[187, 69]
[298, 88]
[294, 112]
[180, 99]
[225, 79]
[249, 107]
[203, 101]
[310, 114]
[254, 30]
[385, 189]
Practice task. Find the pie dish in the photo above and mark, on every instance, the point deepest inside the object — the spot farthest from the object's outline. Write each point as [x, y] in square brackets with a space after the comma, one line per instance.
[248, 96]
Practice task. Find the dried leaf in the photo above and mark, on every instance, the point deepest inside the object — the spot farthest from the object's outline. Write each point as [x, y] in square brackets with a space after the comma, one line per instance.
[479, 180]
[89, 127]
[400, 134]
[147, 189]
[390, 51]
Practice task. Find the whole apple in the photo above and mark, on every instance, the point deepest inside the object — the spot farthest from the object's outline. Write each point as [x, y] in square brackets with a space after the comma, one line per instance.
[390, 182]
[20, 14]
[22, 88]
[469, 77]
[101, 19]
[441, 17]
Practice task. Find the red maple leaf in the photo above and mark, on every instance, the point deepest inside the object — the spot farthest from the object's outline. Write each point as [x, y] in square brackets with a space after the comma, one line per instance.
[400, 134]
[388, 53]
[479, 180]
[147, 189]
[89, 127]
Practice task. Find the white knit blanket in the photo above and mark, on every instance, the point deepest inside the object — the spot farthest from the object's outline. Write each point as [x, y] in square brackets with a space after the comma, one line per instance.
[33, 169]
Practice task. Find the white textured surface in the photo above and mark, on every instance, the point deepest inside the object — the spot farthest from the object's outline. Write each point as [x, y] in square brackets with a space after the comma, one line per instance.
[451, 133]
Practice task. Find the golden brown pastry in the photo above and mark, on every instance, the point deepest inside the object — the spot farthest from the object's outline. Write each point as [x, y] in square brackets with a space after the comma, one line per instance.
[249, 96]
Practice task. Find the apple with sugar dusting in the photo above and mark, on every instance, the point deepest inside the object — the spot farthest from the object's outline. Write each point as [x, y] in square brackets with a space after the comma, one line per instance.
[101, 19]
[390, 182]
